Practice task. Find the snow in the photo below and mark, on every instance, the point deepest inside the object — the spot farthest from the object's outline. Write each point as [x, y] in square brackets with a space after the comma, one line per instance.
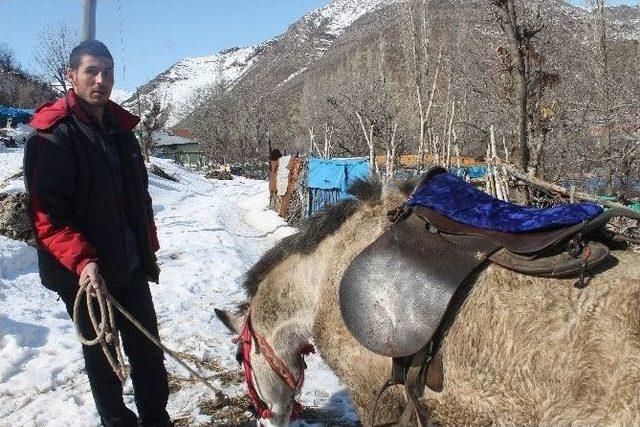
[180, 87]
[293, 75]
[10, 161]
[120, 95]
[162, 138]
[210, 232]
[338, 15]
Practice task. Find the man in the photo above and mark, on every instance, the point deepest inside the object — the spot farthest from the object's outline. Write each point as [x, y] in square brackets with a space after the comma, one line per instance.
[92, 216]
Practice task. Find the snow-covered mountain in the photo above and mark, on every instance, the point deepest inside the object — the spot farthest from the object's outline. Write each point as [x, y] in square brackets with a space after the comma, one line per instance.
[179, 87]
[338, 15]
[184, 83]
[343, 27]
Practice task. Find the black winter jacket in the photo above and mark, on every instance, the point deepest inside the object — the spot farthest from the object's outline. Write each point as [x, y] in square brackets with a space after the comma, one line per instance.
[78, 213]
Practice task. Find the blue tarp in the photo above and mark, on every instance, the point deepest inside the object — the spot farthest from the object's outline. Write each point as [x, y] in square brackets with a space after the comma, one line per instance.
[329, 179]
[19, 115]
[450, 196]
[471, 172]
[336, 174]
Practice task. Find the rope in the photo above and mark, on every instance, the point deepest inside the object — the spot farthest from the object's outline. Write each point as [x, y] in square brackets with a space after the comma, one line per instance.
[106, 332]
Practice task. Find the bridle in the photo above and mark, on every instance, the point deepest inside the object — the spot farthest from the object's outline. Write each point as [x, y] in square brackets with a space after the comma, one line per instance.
[247, 337]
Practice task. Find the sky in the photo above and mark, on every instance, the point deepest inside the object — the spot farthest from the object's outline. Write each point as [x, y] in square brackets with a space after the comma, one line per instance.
[155, 33]
[148, 36]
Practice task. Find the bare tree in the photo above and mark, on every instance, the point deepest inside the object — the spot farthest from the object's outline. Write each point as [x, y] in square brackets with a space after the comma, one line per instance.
[237, 125]
[152, 122]
[519, 35]
[212, 123]
[52, 54]
[425, 90]
[7, 57]
[17, 87]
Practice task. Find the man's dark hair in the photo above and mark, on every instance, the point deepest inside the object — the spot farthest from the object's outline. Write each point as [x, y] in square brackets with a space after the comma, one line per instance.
[88, 47]
[275, 154]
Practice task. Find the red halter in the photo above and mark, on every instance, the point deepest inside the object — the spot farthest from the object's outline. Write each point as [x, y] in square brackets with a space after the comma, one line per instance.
[247, 336]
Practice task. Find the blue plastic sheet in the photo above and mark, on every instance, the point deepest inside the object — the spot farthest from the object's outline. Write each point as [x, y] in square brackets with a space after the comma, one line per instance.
[329, 179]
[19, 115]
[471, 172]
[332, 174]
[450, 196]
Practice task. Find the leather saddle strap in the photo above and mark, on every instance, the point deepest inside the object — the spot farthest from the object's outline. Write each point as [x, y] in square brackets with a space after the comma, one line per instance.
[414, 388]
[390, 383]
[414, 383]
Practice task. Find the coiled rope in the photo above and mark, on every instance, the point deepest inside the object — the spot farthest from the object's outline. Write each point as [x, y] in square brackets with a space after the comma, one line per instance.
[107, 333]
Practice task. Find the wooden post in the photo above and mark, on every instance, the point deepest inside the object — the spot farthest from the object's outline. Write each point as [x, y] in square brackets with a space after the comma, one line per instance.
[488, 185]
[449, 131]
[494, 170]
[391, 153]
[537, 182]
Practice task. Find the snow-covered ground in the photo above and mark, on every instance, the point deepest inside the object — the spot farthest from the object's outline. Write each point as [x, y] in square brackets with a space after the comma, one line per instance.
[210, 232]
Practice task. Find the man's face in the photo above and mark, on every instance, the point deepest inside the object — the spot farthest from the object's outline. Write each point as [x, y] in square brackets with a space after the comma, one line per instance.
[93, 79]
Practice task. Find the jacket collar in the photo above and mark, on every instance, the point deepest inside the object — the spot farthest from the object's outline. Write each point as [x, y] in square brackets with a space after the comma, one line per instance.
[47, 115]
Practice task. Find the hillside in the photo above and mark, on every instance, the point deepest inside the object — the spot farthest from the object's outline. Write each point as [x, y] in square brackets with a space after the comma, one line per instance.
[356, 55]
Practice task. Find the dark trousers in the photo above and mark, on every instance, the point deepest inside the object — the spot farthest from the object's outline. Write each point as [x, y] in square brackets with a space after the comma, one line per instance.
[148, 373]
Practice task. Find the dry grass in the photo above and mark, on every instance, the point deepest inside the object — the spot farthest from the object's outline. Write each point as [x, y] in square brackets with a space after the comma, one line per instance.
[224, 411]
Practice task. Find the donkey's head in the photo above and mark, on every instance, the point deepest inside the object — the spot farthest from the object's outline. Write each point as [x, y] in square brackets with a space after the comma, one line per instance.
[274, 369]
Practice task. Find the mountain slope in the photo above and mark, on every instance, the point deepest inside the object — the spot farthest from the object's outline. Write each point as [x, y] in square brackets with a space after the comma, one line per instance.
[279, 60]
[332, 61]
[179, 87]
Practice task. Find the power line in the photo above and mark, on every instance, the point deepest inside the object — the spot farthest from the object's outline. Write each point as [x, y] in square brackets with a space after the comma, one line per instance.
[124, 63]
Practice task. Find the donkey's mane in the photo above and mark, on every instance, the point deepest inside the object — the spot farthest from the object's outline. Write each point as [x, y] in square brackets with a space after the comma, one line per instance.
[312, 231]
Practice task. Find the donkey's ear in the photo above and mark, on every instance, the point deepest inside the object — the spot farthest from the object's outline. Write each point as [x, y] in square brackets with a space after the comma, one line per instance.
[233, 321]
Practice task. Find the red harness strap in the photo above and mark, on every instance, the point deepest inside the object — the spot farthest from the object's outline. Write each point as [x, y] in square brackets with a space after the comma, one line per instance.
[247, 336]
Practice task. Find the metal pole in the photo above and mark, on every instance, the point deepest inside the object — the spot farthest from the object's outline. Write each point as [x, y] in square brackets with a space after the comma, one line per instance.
[89, 20]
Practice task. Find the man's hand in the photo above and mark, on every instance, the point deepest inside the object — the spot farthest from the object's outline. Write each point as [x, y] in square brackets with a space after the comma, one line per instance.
[91, 274]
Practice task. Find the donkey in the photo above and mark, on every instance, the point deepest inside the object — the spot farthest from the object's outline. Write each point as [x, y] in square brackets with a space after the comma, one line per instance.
[521, 350]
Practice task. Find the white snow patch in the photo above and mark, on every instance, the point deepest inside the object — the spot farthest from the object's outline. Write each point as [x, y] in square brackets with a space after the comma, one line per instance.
[10, 161]
[293, 75]
[120, 95]
[338, 15]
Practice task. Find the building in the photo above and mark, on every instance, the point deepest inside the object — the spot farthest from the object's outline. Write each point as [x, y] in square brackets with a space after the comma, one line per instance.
[178, 145]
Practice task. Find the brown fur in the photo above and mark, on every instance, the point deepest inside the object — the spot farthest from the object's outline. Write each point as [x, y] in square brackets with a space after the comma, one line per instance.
[521, 351]
[313, 230]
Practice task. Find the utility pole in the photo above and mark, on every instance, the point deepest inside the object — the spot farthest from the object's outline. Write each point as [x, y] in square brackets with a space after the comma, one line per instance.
[89, 20]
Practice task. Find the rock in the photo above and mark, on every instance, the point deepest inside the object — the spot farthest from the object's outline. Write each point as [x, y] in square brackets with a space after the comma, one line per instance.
[15, 221]
[156, 170]
[216, 174]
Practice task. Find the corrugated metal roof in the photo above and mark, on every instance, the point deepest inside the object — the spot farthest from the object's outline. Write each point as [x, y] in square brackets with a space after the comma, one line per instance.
[164, 138]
